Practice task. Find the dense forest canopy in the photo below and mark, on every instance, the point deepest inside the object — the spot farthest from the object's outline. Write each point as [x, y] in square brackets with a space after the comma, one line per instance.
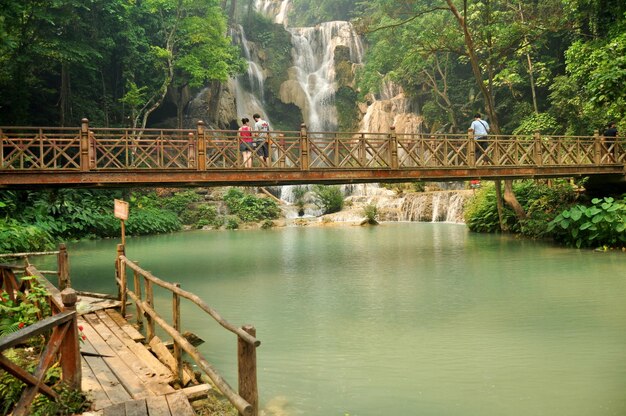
[554, 65]
[109, 60]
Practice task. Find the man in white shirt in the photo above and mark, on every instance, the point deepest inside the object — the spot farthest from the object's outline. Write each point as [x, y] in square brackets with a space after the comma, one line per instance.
[481, 131]
[261, 137]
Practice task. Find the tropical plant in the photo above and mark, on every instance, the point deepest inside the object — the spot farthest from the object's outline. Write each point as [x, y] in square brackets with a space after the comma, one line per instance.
[328, 198]
[601, 224]
[27, 309]
[371, 213]
[250, 208]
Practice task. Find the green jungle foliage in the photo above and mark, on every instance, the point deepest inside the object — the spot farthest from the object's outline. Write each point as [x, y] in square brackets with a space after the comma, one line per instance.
[310, 13]
[34, 220]
[601, 224]
[27, 309]
[555, 65]
[541, 202]
[328, 198]
[108, 60]
[250, 208]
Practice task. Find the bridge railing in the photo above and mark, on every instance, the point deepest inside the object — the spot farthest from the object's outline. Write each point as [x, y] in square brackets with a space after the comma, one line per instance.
[106, 149]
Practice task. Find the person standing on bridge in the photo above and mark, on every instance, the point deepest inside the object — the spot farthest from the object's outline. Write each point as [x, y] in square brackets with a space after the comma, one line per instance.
[610, 134]
[245, 142]
[481, 131]
[262, 136]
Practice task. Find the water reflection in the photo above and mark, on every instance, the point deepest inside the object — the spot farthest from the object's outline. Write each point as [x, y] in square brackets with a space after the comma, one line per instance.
[400, 319]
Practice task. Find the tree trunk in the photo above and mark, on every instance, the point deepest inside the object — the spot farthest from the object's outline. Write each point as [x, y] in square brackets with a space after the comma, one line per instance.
[500, 205]
[509, 198]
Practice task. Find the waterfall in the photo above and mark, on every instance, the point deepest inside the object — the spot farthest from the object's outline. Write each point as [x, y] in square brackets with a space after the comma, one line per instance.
[273, 10]
[314, 62]
[249, 95]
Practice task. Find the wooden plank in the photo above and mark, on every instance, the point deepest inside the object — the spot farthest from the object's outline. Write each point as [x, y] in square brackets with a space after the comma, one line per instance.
[166, 357]
[126, 327]
[150, 360]
[157, 406]
[131, 382]
[88, 305]
[92, 387]
[179, 405]
[197, 392]
[112, 333]
[110, 384]
[118, 409]
[136, 408]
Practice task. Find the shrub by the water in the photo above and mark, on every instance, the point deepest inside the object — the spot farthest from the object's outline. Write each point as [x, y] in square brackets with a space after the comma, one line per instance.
[601, 224]
[328, 198]
[250, 208]
[541, 202]
[371, 213]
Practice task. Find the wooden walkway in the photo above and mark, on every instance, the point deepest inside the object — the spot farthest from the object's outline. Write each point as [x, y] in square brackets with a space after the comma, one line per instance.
[82, 156]
[120, 375]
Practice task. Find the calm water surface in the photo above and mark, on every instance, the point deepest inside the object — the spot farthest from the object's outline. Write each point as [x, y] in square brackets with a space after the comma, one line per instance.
[400, 319]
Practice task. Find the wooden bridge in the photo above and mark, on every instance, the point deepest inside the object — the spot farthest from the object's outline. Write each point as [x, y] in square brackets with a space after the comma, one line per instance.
[115, 157]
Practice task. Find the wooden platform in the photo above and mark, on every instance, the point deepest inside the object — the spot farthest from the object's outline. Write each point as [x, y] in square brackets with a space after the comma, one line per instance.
[120, 375]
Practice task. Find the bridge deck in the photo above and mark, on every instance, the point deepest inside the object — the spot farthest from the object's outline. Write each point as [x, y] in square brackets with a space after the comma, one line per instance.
[70, 157]
[120, 375]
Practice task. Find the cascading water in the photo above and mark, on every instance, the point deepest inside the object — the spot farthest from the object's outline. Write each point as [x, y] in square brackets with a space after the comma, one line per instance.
[248, 100]
[314, 62]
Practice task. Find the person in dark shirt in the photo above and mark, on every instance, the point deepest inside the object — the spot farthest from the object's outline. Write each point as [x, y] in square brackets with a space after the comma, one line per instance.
[611, 131]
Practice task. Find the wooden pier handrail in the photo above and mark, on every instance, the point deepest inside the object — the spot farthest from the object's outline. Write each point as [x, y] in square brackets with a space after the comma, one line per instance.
[42, 253]
[195, 299]
[37, 328]
[241, 404]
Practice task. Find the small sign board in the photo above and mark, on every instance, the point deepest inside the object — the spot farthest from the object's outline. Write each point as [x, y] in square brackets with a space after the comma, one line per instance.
[121, 209]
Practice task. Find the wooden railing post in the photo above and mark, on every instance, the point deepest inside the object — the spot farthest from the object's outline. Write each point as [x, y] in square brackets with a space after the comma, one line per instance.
[178, 353]
[304, 148]
[85, 161]
[361, 152]
[537, 149]
[471, 148]
[246, 358]
[150, 302]
[201, 146]
[393, 148]
[597, 145]
[191, 151]
[121, 274]
[137, 287]
[63, 267]
[69, 349]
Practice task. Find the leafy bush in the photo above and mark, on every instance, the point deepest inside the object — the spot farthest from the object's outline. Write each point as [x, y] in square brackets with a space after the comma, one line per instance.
[540, 202]
[27, 309]
[180, 201]
[250, 208]
[18, 237]
[481, 212]
[151, 220]
[328, 198]
[371, 213]
[601, 224]
[232, 223]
